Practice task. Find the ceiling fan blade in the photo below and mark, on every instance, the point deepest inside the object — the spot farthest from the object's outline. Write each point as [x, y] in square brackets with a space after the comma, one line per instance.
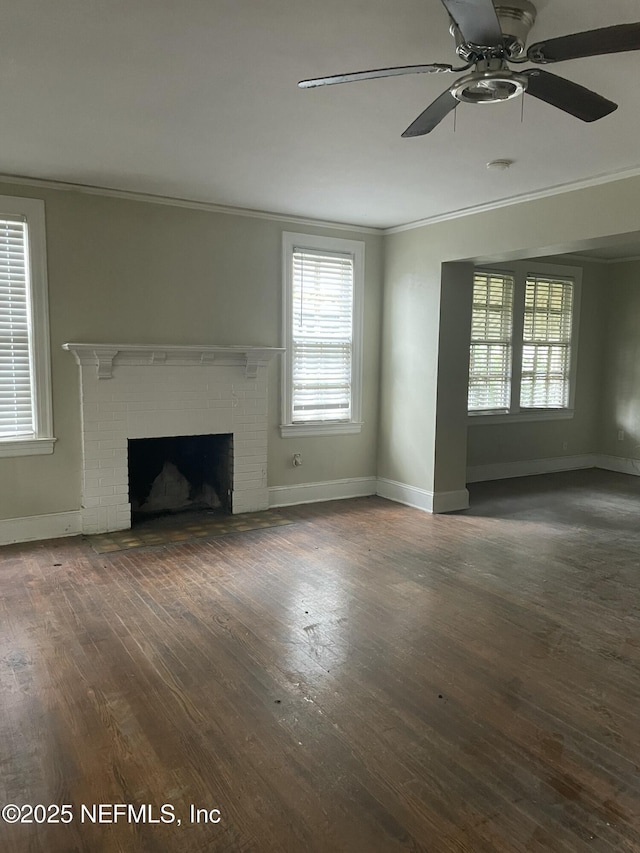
[435, 68]
[567, 96]
[432, 116]
[476, 20]
[591, 43]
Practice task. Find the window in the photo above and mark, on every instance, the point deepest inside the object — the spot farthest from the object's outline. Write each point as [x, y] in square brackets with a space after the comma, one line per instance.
[523, 341]
[491, 333]
[323, 302]
[25, 384]
[546, 343]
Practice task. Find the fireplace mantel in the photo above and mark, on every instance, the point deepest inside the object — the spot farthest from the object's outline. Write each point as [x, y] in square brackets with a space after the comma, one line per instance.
[103, 356]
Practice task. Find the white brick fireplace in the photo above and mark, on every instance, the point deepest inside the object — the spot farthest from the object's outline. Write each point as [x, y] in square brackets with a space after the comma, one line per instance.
[142, 391]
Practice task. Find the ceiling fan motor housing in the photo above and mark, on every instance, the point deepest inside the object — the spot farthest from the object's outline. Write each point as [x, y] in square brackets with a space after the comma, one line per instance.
[516, 18]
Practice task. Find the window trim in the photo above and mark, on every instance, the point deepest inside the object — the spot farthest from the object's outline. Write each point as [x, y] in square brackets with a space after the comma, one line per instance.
[520, 270]
[291, 241]
[42, 441]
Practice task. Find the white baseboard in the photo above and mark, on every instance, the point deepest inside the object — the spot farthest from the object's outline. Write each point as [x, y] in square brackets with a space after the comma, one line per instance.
[620, 464]
[392, 490]
[59, 524]
[52, 526]
[450, 501]
[330, 490]
[505, 470]
[421, 498]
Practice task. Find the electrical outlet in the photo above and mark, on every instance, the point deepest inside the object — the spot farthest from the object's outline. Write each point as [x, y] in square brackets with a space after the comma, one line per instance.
[620, 435]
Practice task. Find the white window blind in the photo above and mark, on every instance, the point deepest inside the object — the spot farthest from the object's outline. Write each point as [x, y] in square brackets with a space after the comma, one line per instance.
[546, 343]
[491, 342]
[16, 383]
[322, 336]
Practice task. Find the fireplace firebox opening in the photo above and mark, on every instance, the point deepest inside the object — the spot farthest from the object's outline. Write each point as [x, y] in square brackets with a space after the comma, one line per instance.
[180, 473]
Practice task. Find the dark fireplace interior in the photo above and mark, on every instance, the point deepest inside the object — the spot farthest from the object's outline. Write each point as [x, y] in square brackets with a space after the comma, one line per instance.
[180, 473]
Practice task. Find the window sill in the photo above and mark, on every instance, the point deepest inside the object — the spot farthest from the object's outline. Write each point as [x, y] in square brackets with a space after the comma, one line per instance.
[26, 446]
[485, 418]
[299, 430]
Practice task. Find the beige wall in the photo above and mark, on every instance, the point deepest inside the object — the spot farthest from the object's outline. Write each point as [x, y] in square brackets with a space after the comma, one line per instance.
[517, 442]
[620, 408]
[132, 271]
[414, 381]
[410, 314]
[453, 370]
[136, 272]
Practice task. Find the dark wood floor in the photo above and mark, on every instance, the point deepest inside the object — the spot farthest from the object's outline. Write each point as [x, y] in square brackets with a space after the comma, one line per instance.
[368, 679]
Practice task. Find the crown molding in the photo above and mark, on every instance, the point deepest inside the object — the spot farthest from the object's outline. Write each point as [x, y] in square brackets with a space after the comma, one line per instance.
[170, 201]
[211, 207]
[558, 189]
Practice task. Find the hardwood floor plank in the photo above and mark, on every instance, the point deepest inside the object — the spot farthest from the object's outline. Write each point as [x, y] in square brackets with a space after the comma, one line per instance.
[367, 678]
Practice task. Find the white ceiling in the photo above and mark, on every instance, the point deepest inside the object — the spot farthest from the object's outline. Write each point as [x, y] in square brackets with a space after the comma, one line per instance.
[197, 99]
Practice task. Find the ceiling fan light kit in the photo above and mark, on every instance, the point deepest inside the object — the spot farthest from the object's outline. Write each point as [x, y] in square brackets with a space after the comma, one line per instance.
[490, 84]
[489, 36]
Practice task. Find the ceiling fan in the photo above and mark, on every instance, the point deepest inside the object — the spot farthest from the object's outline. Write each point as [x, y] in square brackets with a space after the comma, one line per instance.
[490, 36]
